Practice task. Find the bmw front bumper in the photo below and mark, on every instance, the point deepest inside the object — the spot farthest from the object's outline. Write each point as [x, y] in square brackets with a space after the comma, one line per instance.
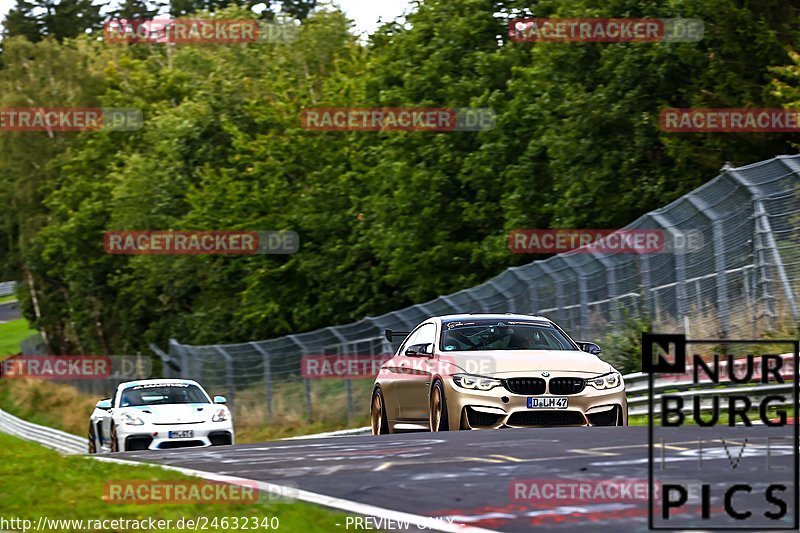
[500, 407]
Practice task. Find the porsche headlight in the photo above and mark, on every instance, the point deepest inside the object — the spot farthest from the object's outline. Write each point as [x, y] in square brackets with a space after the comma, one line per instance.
[466, 381]
[606, 381]
[221, 415]
[131, 420]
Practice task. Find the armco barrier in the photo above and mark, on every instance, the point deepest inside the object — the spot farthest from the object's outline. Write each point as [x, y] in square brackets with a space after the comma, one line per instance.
[52, 438]
[636, 386]
[7, 287]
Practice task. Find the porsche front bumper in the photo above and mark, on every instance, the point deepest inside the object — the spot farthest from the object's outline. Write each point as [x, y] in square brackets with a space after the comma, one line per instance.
[165, 437]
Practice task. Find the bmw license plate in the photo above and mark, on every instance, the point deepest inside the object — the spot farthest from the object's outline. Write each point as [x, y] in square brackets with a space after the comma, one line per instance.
[181, 434]
[548, 403]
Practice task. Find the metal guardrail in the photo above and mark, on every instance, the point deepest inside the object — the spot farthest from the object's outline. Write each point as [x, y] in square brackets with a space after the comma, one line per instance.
[7, 287]
[52, 438]
[636, 387]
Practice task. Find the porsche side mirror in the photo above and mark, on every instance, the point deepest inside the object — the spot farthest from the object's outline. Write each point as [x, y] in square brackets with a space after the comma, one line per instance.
[590, 347]
[105, 405]
[220, 399]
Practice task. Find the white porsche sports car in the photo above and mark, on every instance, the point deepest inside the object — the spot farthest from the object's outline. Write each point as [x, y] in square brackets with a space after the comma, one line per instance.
[159, 414]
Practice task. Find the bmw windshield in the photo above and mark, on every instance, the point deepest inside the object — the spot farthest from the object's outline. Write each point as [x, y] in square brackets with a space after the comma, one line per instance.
[502, 335]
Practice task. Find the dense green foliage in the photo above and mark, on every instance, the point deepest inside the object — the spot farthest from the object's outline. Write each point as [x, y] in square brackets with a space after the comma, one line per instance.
[63, 19]
[386, 219]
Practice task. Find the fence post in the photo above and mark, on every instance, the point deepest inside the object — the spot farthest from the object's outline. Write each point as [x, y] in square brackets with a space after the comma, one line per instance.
[513, 307]
[611, 281]
[309, 411]
[559, 291]
[763, 228]
[228, 372]
[344, 349]
[177, 349]
[304, 351]
[719, 259]
[680, 265]
[267, 377]
[582, 293]
[649, 302]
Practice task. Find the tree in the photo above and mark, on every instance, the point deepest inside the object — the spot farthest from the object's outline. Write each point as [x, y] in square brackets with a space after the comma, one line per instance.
[22, 22]
[135, 9]
[59, 19]
[299, 9]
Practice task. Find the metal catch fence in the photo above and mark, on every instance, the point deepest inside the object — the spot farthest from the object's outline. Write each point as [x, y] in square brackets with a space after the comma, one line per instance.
[741, 281]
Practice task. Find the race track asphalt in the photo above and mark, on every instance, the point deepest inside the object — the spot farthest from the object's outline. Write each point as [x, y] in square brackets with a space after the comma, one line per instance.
[9, 311]
[499, 480]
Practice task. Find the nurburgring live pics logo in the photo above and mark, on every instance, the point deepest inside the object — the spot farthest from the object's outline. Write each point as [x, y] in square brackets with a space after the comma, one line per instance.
[756, 488]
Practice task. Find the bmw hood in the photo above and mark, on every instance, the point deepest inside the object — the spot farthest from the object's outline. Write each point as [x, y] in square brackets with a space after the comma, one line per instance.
[507, 362]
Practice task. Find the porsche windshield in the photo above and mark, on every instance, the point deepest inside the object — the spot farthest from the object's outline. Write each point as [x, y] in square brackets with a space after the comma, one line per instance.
[162, 394]
[501, 335]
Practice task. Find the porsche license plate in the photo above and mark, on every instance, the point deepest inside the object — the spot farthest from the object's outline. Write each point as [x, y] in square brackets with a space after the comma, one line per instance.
[548, 403]
[181, 434]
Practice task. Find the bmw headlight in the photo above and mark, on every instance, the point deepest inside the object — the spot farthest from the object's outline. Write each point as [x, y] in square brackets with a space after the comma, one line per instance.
[466, 381]
[606, 381]
[220, 416]
[131, 420]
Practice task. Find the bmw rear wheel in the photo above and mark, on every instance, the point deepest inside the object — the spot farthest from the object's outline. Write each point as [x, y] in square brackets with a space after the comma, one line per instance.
[438, 409]
[378, 419]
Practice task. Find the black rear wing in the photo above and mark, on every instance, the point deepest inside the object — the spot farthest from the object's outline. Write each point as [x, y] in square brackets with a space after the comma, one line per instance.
[391, 335]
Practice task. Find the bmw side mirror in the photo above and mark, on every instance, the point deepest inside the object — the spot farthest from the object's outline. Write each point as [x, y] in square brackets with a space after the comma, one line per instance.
[589, 347]
[220, 399]
[420, 350]
[105, 405]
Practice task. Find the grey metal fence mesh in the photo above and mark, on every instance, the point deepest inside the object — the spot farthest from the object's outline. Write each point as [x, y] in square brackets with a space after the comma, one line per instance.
[741, 282]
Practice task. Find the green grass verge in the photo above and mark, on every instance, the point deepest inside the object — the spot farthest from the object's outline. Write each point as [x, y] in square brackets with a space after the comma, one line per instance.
[35, 481]
[12, 334]
[8, 298]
